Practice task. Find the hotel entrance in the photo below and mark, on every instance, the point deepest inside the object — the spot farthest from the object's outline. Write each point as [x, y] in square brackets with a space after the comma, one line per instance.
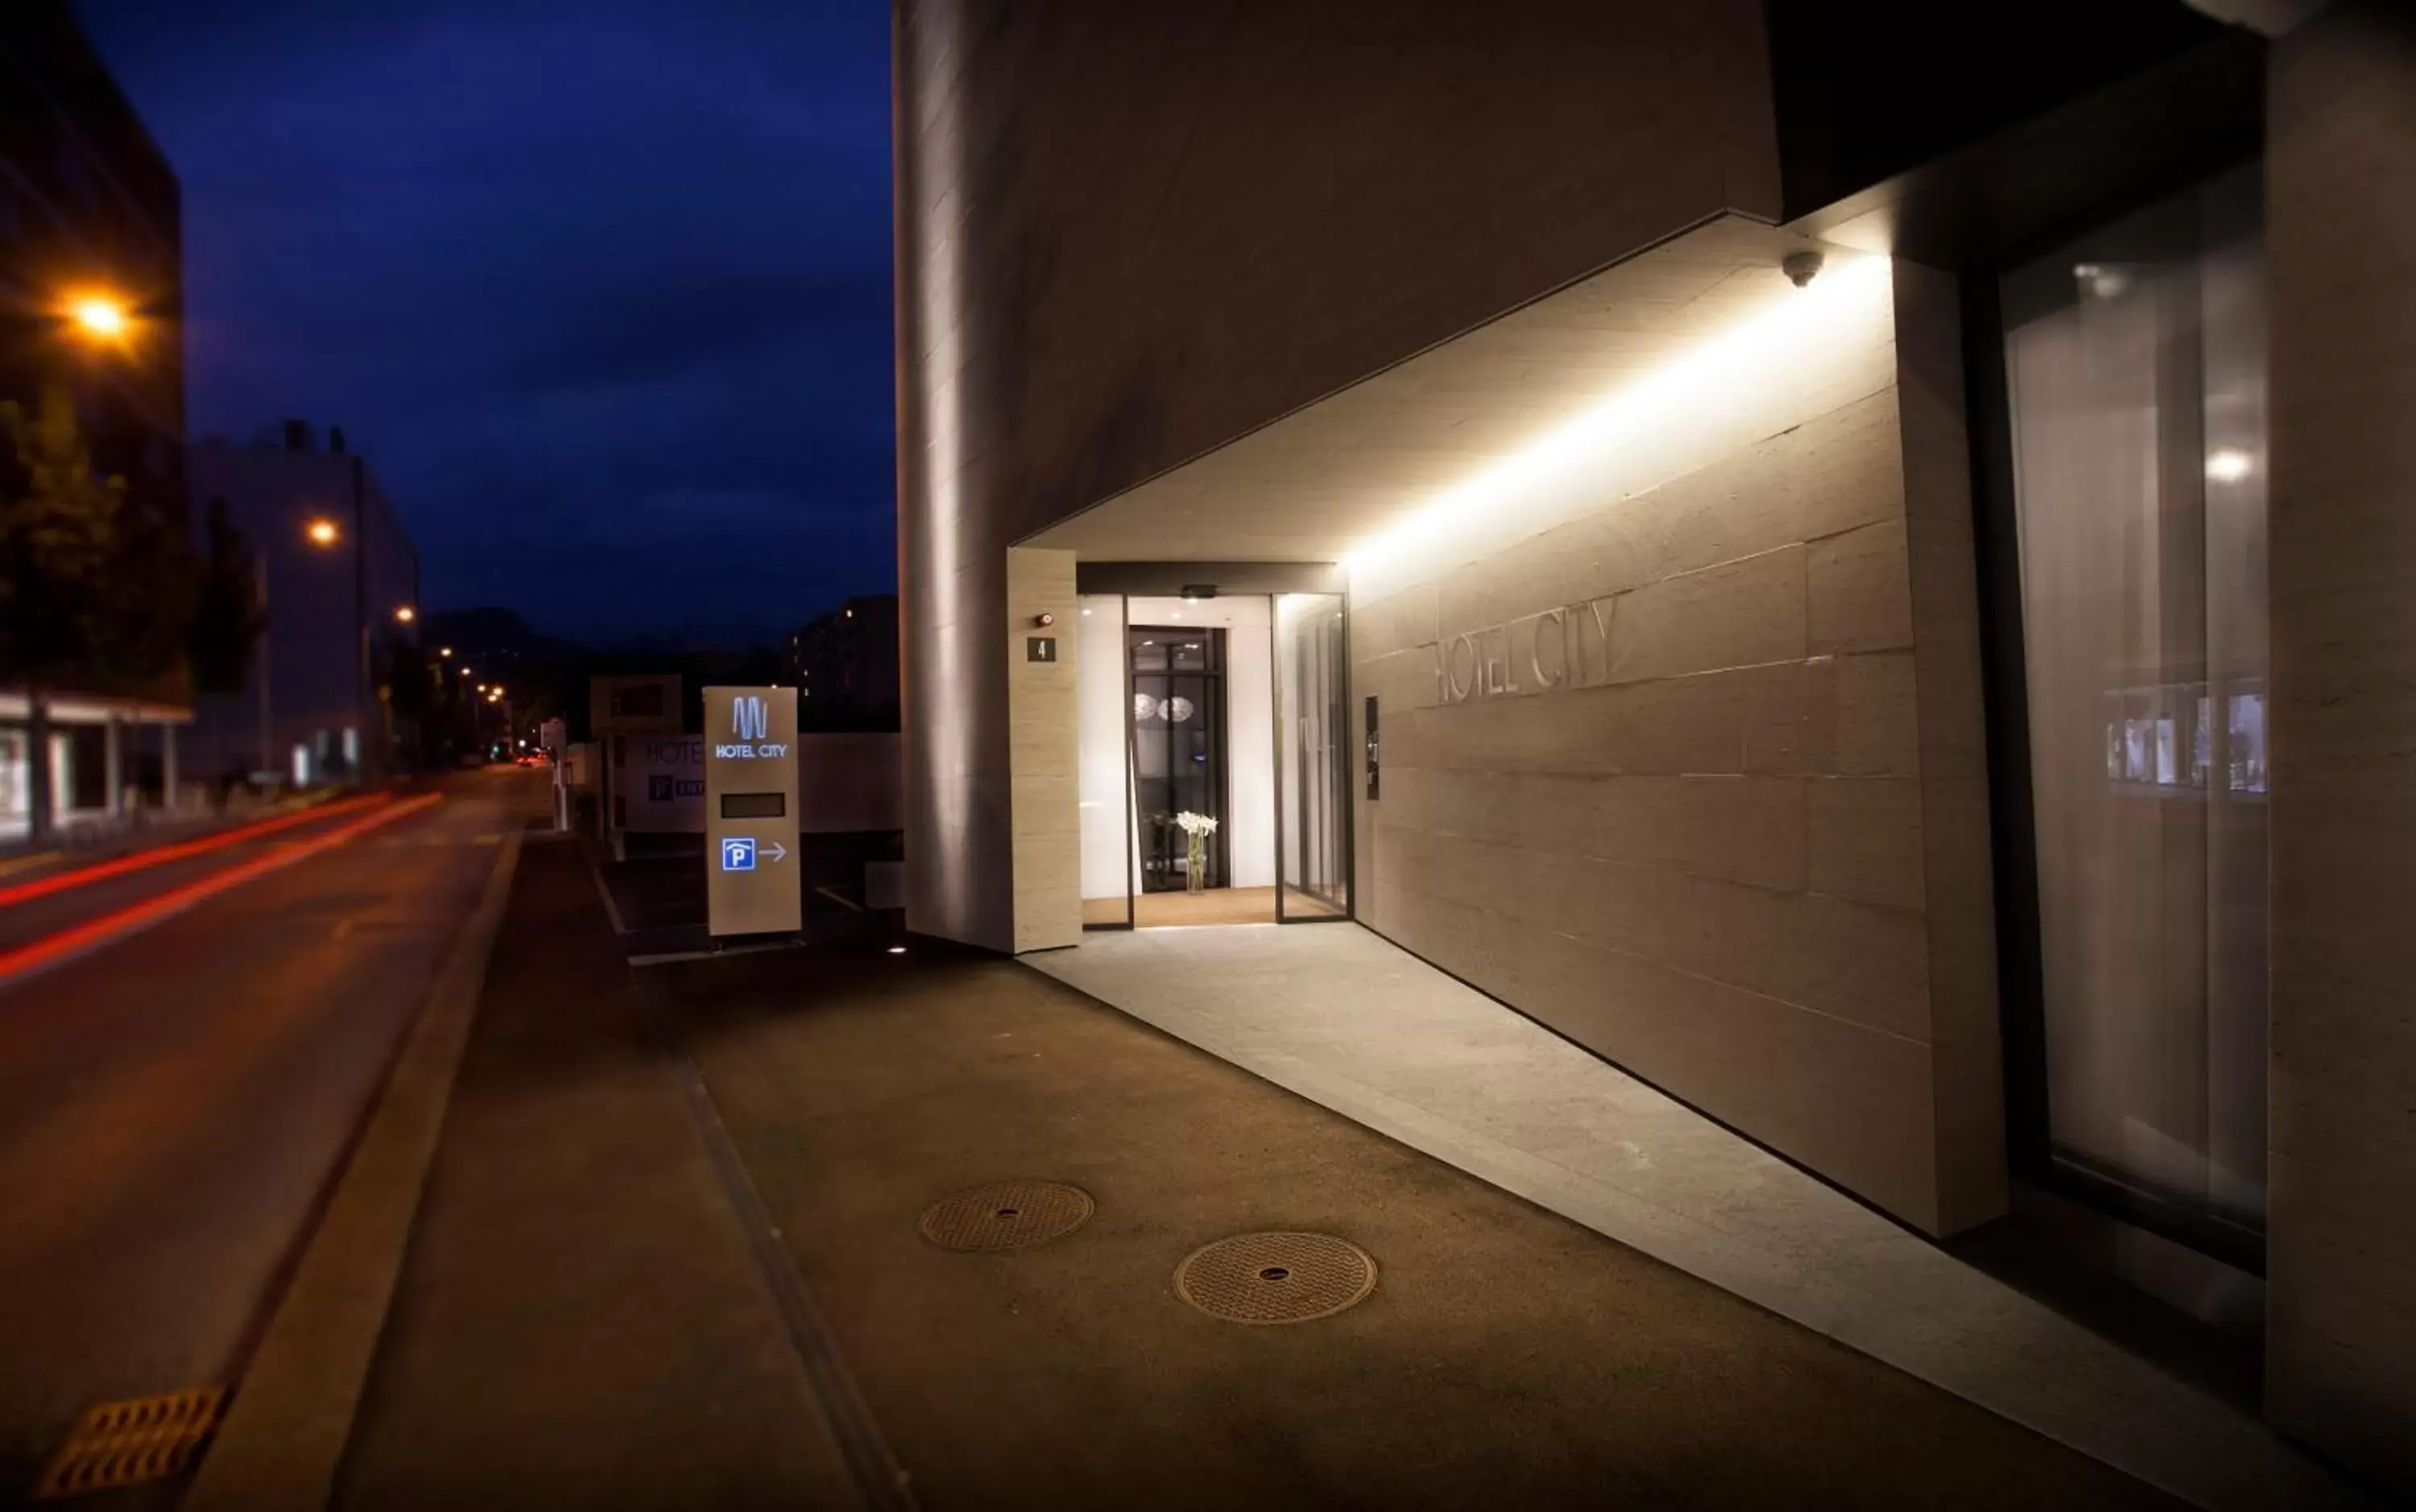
[1213, 787]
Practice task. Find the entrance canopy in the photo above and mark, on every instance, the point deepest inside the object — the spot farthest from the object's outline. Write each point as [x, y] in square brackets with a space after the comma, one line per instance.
[1322, 482]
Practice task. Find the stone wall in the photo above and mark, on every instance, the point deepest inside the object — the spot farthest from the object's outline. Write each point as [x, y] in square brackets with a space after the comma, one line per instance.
[1695, 776]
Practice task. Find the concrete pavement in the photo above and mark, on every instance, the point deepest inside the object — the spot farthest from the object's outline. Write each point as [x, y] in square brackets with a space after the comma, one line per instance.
[593, 1312]
[580, 1322]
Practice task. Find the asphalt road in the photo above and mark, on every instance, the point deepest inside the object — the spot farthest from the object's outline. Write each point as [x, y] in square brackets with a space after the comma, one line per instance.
[174, 1104]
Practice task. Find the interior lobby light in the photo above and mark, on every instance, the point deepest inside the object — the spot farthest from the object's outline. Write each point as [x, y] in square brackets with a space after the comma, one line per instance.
[2228, 464]
[1695, 384]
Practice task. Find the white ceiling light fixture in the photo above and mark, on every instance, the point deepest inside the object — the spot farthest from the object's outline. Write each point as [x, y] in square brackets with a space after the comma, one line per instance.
[1844, 305]
[2229, 464]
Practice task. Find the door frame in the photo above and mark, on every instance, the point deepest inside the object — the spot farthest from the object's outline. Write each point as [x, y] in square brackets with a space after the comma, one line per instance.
[1349, 822]
[1128, 580]
[1219, 693]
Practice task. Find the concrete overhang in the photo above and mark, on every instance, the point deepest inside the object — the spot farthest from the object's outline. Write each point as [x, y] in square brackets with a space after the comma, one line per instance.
[1321, 482]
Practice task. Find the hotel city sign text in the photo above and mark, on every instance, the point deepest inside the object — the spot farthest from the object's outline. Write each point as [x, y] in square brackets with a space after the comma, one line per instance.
[1563, 647]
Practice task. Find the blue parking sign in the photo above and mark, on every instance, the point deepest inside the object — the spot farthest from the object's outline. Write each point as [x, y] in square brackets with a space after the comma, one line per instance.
[738, 853]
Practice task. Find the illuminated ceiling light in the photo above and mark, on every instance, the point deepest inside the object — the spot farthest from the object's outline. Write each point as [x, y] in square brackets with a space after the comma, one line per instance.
[898, 949]
[1794, 322]
[2228, 464]
[2105, 281]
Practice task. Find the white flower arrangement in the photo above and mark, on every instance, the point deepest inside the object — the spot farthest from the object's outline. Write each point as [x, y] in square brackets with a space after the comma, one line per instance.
[1196, 827]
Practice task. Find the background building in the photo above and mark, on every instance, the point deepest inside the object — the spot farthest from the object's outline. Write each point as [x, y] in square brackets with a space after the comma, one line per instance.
[341, 583]
[1850, 559]
[846, 666]
[89, 206]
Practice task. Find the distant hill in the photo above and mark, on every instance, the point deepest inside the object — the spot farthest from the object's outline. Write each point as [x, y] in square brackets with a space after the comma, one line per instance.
[496, 633]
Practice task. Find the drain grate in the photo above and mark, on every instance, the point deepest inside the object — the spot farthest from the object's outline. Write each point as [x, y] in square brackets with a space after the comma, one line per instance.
[1276, 1277]
[1007, 1215]
[127, 1442]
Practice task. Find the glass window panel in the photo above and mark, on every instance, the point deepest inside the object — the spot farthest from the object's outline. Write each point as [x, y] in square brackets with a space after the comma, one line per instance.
[1313, 755]
[2135, 365]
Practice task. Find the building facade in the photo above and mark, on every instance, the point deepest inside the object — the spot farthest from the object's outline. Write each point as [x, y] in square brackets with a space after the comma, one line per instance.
[846, 666]
[1869, 592]
[339, 585]
[89, 208]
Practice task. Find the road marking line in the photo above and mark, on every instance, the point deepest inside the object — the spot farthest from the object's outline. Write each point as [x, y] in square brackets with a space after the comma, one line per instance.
[45, 886]
[56, 949]
[282, 1440]
[612, 909]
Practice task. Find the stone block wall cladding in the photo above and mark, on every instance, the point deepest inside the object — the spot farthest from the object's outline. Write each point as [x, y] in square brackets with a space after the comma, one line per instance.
[1046, 819]
[1740, 845]
[2341, 262]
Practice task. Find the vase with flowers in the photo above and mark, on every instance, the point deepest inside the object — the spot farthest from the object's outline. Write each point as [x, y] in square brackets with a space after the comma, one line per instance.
[1195, 830]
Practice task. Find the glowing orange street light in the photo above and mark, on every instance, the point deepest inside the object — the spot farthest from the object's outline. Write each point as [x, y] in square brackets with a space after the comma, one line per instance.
[99, 317]
[321, 532]
[444, 651]
[406, 614]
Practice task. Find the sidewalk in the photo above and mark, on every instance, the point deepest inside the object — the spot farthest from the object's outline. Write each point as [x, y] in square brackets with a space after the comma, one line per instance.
[579, 1322]
[593, 1314]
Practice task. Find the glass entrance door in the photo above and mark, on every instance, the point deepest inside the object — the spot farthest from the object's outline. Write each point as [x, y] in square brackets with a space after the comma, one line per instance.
[1312, 759]
[1178, 732]
[2135, 364]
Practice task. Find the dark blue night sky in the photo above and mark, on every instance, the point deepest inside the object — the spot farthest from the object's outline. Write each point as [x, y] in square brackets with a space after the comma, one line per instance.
[600, 286]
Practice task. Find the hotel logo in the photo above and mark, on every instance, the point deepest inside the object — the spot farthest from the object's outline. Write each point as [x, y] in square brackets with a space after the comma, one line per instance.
[748, 719]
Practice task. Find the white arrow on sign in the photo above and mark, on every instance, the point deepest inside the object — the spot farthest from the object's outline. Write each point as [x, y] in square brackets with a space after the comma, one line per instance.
[777, 851]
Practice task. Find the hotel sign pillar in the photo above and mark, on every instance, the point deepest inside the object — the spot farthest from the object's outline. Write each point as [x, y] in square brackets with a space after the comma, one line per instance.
[751, 867]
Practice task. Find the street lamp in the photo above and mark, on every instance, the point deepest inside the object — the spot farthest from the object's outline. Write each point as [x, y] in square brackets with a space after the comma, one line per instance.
[405, 614]
[99, 317]
[444, 651]
[321, 532]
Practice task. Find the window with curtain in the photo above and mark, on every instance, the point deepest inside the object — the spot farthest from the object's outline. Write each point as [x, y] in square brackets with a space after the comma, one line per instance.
[2136, 368]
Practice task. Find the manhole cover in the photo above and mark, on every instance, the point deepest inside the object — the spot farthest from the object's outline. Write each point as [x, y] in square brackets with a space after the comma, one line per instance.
[1276, 1277]
[1007, 1216]
[127, 1442]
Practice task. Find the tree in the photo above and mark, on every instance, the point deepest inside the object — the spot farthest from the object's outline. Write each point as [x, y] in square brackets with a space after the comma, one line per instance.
[60, 529]
[228, 616]
[97, 581]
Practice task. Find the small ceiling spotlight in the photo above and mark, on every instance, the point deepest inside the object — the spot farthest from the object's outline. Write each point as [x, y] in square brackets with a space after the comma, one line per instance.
[2105, 281]
[1800, 267]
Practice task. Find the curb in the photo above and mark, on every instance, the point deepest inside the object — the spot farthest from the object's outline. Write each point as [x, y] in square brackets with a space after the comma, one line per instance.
[285, 1435]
